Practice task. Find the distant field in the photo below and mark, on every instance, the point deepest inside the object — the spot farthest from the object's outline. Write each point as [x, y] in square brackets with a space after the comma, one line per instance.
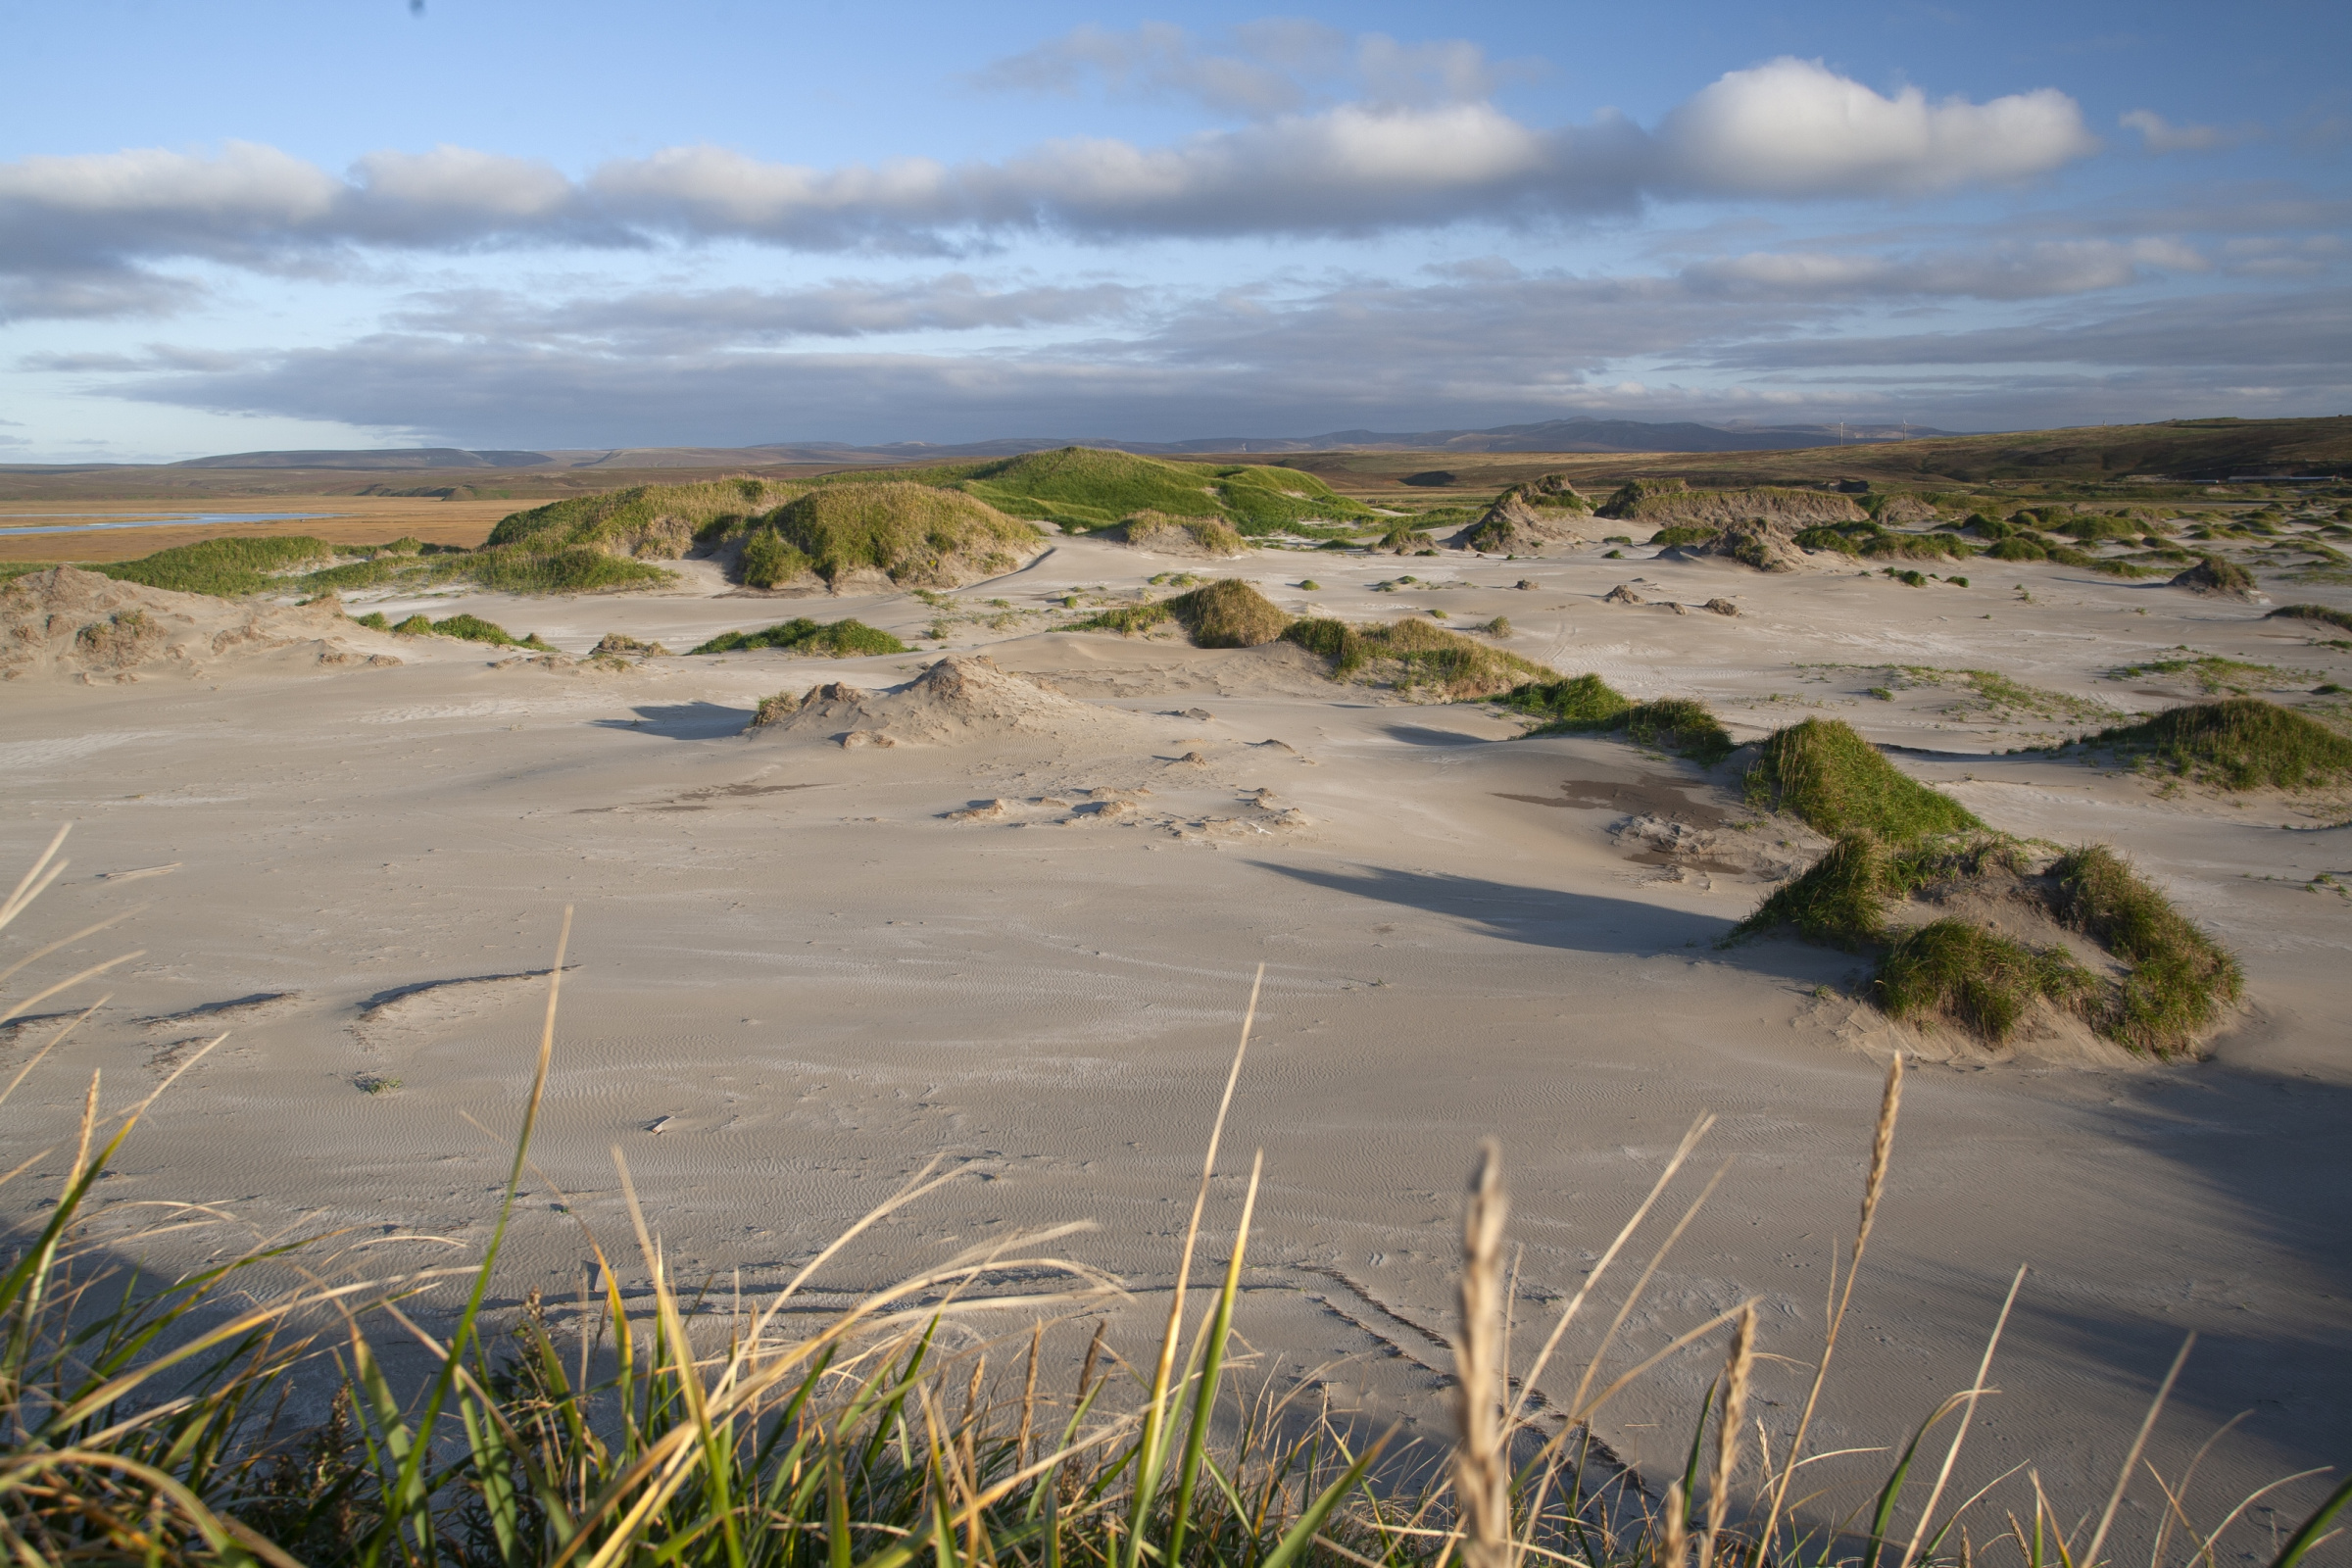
[358, 519]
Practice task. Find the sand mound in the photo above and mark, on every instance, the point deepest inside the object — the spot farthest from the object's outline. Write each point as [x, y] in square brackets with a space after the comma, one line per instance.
[965, 697]
[1667, 501]
[1201, 538]
[2215, 576]
[1527, 517]
[71, 624]
[1767, 544]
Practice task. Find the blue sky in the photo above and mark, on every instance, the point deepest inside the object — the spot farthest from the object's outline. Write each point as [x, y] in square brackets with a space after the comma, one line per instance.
[358, 224]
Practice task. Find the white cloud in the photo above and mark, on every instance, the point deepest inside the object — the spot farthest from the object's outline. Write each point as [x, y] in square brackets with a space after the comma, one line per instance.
[2159, 135]
[1794, 128]
[2001, 273]
[1786, 130]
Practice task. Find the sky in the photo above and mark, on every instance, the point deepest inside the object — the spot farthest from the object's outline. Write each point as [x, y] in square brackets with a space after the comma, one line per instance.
[501, 223]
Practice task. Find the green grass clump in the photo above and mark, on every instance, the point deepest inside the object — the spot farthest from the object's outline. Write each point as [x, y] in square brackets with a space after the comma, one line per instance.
[1977, 977]
[1587, 704]
[2216, 575]
[1683, 533]
[915, 534]
[1405, 541]
[466, 628]
[1829, 538]
[1827, 775]
[1417, 655]
[839, 639]
[1226, 614]
[1839, 898]
[1229, 614]
[2238, 743]
[768, 561]
[2319, 613]
[2215, 674]
[2178, 975]
[2017, 547]
[1683, 725]
[1213, 535]
[225, 568]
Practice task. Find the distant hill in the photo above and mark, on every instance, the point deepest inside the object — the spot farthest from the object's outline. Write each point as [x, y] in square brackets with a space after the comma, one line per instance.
[395, 458]
[1551, 435]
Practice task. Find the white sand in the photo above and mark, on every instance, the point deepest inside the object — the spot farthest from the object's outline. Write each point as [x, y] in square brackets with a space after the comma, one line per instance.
[796, 958]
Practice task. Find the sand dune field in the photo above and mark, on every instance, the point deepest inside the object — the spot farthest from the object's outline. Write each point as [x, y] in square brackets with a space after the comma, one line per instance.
[1016, 924]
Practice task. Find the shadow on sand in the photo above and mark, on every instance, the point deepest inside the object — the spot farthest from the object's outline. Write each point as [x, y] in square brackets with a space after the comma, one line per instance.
[681, 721]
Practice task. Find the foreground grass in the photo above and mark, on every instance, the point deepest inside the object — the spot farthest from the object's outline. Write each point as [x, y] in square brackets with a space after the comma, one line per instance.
[658, 1427]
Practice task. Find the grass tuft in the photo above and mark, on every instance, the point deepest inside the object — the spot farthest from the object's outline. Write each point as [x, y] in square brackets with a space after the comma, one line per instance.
[2340, 618]
[1837, 783]
[466, 628]
[2178, 975]
[839, 639]
[1839, 900]
[1978, 978]
[1587, 704]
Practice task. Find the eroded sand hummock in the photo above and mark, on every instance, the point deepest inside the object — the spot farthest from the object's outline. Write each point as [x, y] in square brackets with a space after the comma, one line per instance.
[71, 624]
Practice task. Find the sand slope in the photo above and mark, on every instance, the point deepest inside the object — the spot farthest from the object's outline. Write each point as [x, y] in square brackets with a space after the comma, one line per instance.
[71, 624]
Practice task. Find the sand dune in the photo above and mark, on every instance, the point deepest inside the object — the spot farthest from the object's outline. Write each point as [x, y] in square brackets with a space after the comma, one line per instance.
[1021, 935]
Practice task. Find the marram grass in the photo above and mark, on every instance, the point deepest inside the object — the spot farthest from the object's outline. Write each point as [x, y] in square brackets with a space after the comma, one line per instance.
[144, 1422]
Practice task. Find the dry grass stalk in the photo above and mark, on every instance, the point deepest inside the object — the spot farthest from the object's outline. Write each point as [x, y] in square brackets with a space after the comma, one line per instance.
[1738, 1365]
[1481, 1470]
[1673, 1530]
[1881, 1151]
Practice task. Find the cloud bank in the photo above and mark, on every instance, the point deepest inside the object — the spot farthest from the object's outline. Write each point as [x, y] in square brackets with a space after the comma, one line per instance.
[83, 235]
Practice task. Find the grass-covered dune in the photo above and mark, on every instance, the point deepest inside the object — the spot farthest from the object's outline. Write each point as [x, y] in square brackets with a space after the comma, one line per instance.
[1087, 488]
[909, 535]
[1896, 841]
[2238, 743]
[645, 522]
[1663, 501]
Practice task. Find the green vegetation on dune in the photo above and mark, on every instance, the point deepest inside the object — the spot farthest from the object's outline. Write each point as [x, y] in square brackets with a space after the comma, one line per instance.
[1414, 656]
[839, 639]
[1226, 614]
[916, 535]
[647, 521]
[225, 568]
[466, 628]
[1587, 704]
[1839, 900]
[1977, 977]
[1837, 783]
[2180, 976]
[1087, 488]
[2326, 615]
[2238, 743]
